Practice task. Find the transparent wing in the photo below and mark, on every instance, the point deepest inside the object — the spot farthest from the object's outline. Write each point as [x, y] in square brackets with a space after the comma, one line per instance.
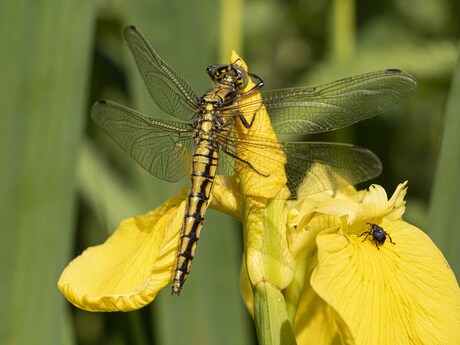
[311, 167]
[338, 104]
[314, 167]
[167, 88]
[163, 148]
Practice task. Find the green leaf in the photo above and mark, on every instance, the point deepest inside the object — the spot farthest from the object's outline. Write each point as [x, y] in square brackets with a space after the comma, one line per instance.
[103, 190]
[444, 215]
[45, 63]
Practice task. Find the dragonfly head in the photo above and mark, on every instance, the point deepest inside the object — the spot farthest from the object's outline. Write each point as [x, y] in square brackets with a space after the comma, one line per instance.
[232, 75]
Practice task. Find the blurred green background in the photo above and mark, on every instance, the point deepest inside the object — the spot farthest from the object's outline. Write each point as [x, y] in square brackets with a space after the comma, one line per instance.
[65, 186]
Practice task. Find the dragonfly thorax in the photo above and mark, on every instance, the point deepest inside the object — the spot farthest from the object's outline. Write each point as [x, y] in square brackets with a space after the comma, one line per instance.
[220, 95]
[209, 122]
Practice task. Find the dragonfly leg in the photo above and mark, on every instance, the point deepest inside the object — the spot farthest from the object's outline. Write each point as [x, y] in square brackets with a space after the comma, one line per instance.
[245, 123]
[257, 86]
[231, 154]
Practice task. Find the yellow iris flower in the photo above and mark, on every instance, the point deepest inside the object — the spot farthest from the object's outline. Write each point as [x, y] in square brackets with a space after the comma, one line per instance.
[304, 266]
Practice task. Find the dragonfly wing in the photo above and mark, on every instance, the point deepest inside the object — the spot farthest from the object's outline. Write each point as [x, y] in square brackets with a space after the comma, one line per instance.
[314, 167]
[163, 148]
[310, 167]
[256, 162]
[259, 150]
[338, 104]
[167, 88]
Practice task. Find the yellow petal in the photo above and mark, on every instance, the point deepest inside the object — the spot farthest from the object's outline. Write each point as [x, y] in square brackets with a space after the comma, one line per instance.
[401, 294]
[267, 177]
[359, 206]
[225, 198]
[131, 267]
[396, 207]
[317, 323]
[376, 204]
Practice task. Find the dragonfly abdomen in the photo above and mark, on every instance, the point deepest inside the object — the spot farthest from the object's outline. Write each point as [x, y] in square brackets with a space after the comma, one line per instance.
[204, 167]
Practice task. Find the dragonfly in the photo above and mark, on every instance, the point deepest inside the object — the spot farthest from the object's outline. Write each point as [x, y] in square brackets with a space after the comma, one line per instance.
[203, 144]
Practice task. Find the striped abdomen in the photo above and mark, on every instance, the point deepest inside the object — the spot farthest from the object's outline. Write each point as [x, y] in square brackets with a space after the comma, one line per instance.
[204, 167]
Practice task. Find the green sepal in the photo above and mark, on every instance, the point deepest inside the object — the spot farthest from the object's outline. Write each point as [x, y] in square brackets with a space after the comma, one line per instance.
[271, 317]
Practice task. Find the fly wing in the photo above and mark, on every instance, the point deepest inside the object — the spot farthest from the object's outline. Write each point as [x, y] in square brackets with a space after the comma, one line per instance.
[163, 148]
[306, 110]
[167, 88]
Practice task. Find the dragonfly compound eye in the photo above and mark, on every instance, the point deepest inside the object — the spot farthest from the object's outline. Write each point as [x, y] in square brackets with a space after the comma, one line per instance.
[242, 78]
